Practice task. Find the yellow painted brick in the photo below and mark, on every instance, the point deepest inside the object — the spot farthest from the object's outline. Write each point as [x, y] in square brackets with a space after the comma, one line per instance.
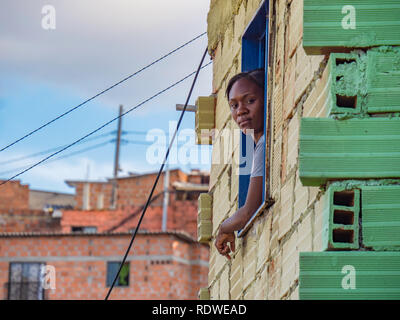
[236, 276]
[274, 278]
[300, 199]
[286, 213]
[312, 194]
[222, 110]
[316, 103]
[274, 244]
[204, 230]
[277, 107]
[304, 73]
[224, 288]
[263, 248]
[214, 291]
[295, 294]
[204, 294]
[249, 293]
[295, 26]
[276, 168]
[249, 258]
[211, 269]
[289, 88]
[305, 234]
[261, 285]
[293, 142]
[240, 23]
[290, 262]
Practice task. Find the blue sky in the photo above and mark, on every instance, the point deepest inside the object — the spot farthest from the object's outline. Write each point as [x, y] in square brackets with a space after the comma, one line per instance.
[95, 44]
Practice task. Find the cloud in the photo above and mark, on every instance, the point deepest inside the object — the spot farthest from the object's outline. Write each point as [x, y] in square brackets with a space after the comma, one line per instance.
[98, 42]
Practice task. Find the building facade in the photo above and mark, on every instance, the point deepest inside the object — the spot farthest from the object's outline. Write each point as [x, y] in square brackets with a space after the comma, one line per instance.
[331, 195]
[59, 252]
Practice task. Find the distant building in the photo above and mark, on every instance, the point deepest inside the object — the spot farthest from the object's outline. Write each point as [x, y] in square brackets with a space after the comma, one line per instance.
[84, 239]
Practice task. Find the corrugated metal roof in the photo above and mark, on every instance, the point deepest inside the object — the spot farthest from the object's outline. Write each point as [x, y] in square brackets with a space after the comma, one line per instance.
[180, 234]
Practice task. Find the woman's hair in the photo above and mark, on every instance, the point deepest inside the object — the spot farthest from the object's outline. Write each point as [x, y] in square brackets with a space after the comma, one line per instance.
[256, 76]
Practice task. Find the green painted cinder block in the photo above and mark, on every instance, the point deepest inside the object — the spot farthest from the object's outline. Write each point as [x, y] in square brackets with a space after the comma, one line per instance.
[362, 82]
[381, 217]
[358, 148]
[336, 24]
[341, 219]
[383, 80]
[344, 275]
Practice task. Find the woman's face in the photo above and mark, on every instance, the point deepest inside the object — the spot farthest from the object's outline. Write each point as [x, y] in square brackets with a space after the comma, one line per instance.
[247, 106]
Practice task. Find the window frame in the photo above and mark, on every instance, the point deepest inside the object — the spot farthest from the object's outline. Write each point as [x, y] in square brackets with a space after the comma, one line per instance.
[255, 54]
[110, 278]
[40, 293]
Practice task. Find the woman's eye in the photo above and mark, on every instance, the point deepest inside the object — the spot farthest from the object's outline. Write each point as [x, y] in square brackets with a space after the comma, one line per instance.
[233, 106]
[250, 101]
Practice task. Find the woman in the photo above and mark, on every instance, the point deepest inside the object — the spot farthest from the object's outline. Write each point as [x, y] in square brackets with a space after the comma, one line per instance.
[245, 93]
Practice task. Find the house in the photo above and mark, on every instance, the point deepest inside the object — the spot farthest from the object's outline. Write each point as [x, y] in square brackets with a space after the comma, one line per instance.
[328, 224]
[85, 244]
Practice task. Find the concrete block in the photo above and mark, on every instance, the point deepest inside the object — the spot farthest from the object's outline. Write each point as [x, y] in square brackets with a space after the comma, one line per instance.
[204, 294]
[204, 206]
[381, 217]
[274, 278]
[236, 276]
[338, 24]
[204, 231]
[263, 248]
[204, 118]
[354, 275]
[383, 80]
[346, 149]
[341, 219]
[277, 106]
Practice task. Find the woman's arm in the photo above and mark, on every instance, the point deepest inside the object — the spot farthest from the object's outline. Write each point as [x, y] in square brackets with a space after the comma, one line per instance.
[239, 219]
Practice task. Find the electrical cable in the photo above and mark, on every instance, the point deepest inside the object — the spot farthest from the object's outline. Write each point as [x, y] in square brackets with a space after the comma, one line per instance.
[105, 124]
[64, 156]
[100, 93]
[158, 175]
[52, 150]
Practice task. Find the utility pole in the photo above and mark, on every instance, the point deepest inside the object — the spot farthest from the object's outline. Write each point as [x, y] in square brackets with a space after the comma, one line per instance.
[166, 198]
[116, 160]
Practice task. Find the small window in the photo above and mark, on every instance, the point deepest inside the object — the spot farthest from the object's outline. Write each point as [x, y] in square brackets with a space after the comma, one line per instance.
[26, 281]
[123, 277]
[84, 229]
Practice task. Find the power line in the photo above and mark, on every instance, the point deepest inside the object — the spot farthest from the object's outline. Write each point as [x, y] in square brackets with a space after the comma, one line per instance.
[100, 93]
[158, 175]
[64, 156]
[51, 150]
[105, 124]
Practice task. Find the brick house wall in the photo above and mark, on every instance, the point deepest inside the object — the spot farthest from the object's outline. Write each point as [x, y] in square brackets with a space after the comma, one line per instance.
[163, 265]
[14, 195]
[265, 264]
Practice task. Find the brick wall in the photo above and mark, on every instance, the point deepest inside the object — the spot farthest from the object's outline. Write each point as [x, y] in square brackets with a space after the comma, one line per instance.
[162, 265]
[14, 195]
[265, 264]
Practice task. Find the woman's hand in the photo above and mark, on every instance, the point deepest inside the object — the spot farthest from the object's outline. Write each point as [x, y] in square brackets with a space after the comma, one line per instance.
[221, 243]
